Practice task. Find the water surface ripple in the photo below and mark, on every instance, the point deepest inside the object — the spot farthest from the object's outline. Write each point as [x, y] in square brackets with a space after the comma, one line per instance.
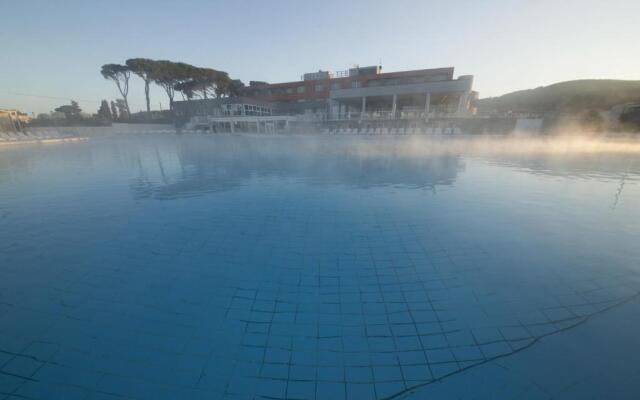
[298, 267]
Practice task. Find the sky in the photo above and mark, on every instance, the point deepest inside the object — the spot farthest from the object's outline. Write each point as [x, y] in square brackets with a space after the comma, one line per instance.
[54, 49]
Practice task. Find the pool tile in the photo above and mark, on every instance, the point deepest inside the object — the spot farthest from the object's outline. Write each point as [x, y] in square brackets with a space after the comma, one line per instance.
[224, 279]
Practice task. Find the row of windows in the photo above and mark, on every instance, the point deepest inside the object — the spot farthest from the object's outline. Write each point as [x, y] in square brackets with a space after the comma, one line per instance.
[290, 90]
[354, 84]
[237, 109]
[300, 89]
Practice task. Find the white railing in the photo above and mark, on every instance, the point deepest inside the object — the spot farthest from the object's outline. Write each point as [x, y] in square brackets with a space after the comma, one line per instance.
[384, 114]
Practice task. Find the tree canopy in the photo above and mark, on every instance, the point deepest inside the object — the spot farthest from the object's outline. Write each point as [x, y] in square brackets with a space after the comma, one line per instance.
[206, 82]
[120, 75]
[70, 111]
[123, 112]
[143, 68]
[171, 76]
[104, 112]
[114, 110]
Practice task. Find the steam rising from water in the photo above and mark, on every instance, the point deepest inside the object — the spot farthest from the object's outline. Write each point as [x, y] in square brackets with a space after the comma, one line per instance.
[507, 145]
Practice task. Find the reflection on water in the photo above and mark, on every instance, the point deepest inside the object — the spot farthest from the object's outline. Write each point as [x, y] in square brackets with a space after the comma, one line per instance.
[291, 267]
[198, 166]
[586, 166]
[192, 165]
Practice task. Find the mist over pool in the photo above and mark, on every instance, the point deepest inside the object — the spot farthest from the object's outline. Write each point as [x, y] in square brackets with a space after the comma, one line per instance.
[312, 267]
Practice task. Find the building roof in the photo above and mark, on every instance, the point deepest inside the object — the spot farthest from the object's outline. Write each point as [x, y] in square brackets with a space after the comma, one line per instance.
[398, 74]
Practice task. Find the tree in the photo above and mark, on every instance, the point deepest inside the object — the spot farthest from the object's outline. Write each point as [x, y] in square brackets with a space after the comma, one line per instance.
[234, 88]
[144, 68]
[223, 83]
[168, 74]
[228, 87]
[104, 112]
[122, 109]
[187, 88]
[120, 75]
[209, 82]
[114, 111]
[171, 76]
[200, 80]
[70, 111]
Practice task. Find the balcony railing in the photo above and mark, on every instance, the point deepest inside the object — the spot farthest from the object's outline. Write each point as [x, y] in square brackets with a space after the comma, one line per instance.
[434, 112]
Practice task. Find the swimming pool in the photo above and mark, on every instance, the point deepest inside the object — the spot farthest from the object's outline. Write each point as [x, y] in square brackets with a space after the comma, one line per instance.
[305, 267]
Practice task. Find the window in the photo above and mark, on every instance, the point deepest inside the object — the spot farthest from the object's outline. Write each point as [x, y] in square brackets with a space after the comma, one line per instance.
[356, 84]
[319, 88]
[335, 86]
[289, 90]
[300, 89]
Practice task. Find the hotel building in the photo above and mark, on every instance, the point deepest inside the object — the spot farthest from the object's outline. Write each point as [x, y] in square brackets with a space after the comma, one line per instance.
[367, 93]
[360, 94]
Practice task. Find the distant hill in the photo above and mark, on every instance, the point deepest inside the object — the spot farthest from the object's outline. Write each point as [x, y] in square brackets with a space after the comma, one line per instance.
[570, 96]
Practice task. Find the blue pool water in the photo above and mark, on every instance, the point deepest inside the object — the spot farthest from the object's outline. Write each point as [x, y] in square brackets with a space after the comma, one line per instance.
[302, 267]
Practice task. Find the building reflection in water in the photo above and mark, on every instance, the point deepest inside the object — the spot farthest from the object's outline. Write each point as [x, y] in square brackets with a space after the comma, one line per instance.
[185, 168]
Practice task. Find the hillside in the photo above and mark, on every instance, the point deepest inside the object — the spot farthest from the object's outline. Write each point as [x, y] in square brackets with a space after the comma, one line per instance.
[570, 96]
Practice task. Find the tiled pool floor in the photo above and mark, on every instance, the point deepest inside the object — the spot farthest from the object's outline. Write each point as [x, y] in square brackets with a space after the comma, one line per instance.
[597, 360]
[294, 268]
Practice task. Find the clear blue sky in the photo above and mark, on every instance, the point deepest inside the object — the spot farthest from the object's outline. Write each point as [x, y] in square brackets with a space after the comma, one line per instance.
[56, 48]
